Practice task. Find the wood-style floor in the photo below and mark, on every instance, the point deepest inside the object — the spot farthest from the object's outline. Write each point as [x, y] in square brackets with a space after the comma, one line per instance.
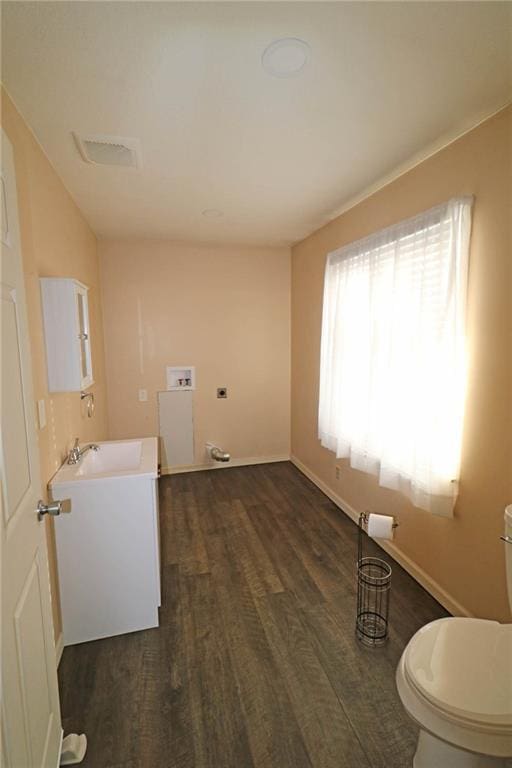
[255, 663]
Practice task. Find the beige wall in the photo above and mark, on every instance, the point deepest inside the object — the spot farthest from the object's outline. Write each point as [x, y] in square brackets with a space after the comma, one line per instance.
[464, 556]
[225, 310]
[55, 241]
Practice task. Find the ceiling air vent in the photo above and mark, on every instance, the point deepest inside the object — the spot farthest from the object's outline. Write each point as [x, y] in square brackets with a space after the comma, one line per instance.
[101, 149]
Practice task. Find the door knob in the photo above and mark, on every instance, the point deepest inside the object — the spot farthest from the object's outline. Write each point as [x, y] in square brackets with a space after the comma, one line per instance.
[53, 508]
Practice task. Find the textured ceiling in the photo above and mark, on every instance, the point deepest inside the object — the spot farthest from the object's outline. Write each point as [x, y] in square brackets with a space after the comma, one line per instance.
[279, 156]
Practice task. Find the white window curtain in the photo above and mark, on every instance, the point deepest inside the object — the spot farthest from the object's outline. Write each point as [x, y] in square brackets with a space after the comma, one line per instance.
[393, 369]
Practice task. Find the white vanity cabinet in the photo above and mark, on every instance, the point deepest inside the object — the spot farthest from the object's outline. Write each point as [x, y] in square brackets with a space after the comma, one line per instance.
[66, 330]
[108, 545]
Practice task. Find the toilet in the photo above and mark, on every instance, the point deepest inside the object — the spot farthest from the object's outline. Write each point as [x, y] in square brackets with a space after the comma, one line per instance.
[455, 682]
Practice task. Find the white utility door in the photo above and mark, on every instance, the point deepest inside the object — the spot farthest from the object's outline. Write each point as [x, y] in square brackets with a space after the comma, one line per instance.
[31, 724]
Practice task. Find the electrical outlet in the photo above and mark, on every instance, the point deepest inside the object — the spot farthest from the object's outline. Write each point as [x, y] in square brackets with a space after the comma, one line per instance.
[41, 412]
[143, 395]
[338, 472]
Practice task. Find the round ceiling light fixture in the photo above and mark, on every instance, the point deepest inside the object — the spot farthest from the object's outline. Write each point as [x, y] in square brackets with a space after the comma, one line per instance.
[212, 213]
[286, 57]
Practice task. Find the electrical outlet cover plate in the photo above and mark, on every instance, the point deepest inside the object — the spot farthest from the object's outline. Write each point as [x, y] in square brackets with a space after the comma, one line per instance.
[41, 412]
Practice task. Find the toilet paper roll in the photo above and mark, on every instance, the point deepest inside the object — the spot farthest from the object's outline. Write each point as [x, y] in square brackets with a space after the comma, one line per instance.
[380, 526]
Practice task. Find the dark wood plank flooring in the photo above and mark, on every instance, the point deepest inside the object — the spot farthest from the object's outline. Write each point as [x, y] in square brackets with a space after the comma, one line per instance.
[255, 664]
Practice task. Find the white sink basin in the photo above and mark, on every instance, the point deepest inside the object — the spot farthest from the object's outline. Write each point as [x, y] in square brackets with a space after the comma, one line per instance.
[113, 459]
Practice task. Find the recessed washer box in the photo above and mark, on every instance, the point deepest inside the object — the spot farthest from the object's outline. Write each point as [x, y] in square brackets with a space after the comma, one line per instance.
[181, 377]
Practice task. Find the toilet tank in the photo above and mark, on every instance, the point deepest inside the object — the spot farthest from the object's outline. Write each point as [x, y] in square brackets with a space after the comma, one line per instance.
[508, 551]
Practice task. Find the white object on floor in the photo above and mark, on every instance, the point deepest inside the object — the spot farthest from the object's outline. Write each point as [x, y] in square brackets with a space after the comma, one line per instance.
[455, 682]
[176, 428]
[74, 748]
[108, 548]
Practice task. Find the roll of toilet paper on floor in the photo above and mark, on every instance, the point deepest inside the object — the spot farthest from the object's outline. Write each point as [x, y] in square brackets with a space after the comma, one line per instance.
[380, 526]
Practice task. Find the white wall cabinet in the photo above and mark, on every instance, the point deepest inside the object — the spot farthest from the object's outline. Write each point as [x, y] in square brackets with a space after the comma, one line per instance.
[66, 329]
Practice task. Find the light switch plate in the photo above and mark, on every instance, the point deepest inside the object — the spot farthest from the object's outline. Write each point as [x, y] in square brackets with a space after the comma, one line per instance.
[41, 413]
[143, 395]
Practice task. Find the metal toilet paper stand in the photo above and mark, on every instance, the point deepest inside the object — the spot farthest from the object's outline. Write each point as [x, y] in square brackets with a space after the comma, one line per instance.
[373, 592]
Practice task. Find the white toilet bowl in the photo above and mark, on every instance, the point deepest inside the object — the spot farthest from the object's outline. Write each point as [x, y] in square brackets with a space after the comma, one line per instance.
[455, 682]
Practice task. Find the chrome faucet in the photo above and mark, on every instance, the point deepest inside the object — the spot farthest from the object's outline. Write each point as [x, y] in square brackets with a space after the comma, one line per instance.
[76, 452]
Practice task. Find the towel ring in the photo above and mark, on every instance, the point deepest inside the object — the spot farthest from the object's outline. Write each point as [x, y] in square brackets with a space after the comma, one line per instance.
[89, 396]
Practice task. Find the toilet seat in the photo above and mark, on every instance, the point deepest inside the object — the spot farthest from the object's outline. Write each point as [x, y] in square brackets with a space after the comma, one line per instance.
[464, 668]
[455, 680]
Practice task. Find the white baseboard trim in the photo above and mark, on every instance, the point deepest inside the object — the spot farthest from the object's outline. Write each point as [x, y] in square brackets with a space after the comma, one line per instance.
[59, 647]
[414, 570]
[221, 465]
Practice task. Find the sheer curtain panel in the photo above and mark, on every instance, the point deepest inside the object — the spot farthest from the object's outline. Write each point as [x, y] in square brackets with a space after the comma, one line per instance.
[393, 368]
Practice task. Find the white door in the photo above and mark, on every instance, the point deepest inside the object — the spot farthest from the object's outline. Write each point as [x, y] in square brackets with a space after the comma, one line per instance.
[31, 723]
